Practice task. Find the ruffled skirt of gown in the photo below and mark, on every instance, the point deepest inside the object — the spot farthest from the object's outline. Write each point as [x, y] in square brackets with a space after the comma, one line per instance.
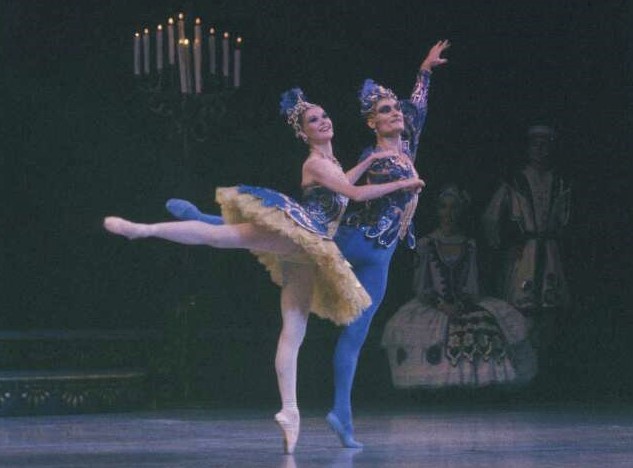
[488, 346]
[337, 294]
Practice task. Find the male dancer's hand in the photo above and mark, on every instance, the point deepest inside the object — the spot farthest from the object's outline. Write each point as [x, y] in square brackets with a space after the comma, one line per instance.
[434, 58]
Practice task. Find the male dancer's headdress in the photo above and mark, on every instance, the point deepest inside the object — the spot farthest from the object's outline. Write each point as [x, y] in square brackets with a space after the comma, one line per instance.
[370, 93]
[292, 105]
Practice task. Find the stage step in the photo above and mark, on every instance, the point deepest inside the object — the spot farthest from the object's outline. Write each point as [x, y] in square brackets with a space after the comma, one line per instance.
[62, 391]
[75, 371]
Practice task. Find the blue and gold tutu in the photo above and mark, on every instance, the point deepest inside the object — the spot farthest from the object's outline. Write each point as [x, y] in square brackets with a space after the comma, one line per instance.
[337, 293]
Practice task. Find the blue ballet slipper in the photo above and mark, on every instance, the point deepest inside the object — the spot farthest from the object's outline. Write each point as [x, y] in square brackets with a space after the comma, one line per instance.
[345, 435]
[187, 211]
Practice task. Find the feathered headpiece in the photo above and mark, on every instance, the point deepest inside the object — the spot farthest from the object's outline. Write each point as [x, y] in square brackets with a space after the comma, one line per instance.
[292, 105]
[370, 93]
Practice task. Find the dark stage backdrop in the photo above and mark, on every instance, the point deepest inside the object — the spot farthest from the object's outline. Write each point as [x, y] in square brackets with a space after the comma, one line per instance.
[79, 143]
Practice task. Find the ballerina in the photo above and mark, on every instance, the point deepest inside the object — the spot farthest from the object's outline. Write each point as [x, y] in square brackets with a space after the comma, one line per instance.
[293, 240]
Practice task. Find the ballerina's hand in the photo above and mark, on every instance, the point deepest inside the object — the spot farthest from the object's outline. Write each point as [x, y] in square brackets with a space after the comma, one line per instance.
[414, 184]
[380, 155]
[434, 58]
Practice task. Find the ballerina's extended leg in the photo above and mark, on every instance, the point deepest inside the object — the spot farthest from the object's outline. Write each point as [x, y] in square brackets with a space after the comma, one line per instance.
[230, 236]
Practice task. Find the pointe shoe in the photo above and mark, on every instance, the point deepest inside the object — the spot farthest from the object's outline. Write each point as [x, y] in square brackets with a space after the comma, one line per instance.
[187, 211]
[289, 424]
[123, 227]
[345, 435]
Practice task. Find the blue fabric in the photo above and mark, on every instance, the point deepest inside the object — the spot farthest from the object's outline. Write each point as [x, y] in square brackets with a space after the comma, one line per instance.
[319, 209]
[296, 211]
[368, 238]
[382, 218]
[371, 266]
[187, 211]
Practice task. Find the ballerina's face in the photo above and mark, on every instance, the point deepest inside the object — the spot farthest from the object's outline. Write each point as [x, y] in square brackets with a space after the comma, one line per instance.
[448, 210]
[387, 118]
[316, 125]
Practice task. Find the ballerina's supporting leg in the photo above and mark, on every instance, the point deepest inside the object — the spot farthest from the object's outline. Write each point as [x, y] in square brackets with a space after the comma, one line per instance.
[231, 236]
[296, 294]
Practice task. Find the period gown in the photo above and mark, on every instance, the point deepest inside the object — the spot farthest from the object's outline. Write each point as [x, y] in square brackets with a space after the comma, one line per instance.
[482, 342]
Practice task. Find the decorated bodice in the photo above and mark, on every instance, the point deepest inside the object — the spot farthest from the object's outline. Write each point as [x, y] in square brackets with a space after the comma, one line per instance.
[325, 206]
[320, 209]
[446, 277]
[389, 218]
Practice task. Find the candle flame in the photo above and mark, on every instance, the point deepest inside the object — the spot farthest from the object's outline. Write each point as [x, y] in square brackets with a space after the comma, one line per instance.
[239, 40]
[212, 30]
[170, 21]
[226, 35]
[198, 21]
[185, 42]
[145, 31]
[137, 34]
[181, 16]
[160, 27]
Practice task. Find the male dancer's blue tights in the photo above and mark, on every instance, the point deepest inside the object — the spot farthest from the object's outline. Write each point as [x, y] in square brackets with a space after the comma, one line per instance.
[371, 266]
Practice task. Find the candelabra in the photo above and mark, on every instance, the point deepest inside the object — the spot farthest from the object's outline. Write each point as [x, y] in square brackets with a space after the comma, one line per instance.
[188, 81]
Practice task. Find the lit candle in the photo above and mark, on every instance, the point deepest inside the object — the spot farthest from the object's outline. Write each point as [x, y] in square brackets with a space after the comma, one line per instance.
[181, 26]
[225, 55]
[137, 53]
[182, 67]
[237, 58]
[187, 51]
[197, 31]
[197, 65]
[170, 39]
[146, 50]
[212, 64]
[159, 47]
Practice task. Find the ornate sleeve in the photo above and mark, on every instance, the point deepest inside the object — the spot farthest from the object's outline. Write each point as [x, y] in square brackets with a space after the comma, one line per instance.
[422, 278]
[414, 110]
[492, 217]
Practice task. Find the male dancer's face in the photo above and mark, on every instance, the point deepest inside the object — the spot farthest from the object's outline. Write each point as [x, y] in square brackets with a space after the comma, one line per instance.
[539, 147]
[387, 119]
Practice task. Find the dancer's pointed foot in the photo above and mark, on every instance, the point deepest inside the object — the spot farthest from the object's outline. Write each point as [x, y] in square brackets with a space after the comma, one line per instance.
[187, 211]
[125, 228]
[289, 422]
[345, 434]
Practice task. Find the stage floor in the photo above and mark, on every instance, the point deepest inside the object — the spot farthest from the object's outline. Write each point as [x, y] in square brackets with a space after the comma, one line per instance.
[492, 436]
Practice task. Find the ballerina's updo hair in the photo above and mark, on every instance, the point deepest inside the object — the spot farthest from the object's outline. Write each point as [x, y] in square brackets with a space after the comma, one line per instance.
[461, 196]
[292, 106]
[370, 93]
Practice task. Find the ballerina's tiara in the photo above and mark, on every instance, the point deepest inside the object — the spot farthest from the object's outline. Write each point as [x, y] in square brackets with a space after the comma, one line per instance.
[370, 93]
[292, 105]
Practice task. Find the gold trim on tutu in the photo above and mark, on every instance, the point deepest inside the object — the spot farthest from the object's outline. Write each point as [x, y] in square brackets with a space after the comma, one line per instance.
[337, 294]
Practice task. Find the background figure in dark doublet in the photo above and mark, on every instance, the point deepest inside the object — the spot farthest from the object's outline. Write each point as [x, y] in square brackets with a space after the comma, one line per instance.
[523, 223]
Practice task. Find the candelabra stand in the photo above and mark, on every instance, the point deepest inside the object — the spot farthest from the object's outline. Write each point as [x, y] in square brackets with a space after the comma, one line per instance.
[191, 117]
[191, 91]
